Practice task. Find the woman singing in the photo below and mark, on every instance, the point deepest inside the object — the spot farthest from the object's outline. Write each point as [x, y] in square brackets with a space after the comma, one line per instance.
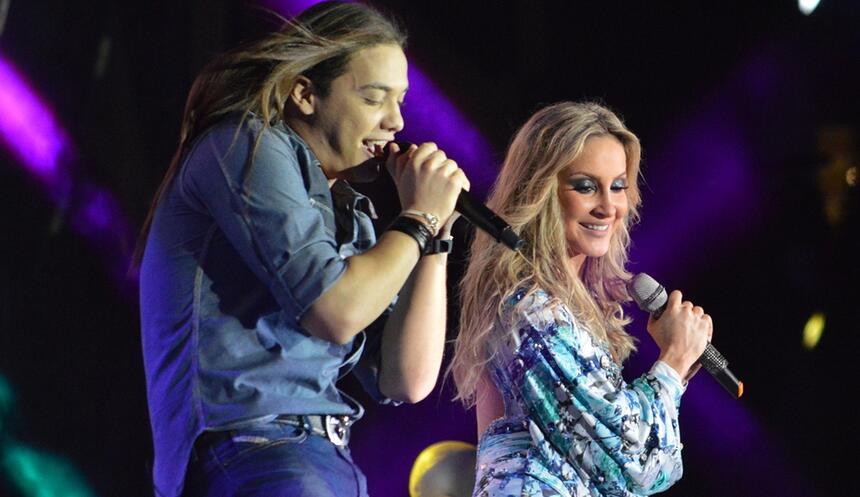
[542, 334]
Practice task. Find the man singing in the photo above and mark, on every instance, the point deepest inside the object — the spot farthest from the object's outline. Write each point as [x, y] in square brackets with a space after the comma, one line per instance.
[261, 270]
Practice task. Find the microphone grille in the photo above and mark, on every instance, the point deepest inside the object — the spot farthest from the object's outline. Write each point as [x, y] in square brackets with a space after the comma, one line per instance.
[648, 294]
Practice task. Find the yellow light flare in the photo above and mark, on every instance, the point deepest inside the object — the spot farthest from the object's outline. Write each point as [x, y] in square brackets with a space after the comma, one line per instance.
[813, 330]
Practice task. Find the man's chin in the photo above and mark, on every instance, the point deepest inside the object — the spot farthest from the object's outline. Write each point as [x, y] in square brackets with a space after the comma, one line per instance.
[366, 172]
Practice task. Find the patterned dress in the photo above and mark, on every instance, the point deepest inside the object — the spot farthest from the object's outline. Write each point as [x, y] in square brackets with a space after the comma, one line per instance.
[572, 426]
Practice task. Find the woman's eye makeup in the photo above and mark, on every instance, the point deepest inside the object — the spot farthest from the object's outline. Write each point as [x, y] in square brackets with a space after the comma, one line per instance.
[619, 185]
[583, 185]
[588, 185]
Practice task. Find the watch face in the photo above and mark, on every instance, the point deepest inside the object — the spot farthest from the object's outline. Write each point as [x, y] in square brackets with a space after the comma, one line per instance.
[440, 246]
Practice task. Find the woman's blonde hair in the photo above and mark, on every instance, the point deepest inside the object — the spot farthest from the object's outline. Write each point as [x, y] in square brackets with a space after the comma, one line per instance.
[525, 194]
[255, 78]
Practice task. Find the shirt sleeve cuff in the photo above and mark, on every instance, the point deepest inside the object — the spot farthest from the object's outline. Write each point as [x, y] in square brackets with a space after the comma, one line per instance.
[669, 378]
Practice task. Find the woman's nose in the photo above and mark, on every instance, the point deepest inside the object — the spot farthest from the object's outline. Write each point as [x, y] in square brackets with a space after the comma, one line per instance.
[606, 205]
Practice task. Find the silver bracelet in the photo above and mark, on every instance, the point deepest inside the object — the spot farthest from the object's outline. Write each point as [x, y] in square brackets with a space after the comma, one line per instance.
[431, 220]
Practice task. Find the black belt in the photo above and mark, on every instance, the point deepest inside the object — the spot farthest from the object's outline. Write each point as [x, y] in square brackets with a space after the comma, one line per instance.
[335, 428]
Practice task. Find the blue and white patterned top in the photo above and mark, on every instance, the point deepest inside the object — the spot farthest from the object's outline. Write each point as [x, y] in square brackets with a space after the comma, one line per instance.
[572, 425]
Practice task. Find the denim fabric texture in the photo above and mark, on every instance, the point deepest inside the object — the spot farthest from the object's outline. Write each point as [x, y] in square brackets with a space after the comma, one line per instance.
[238, 251]
[271, 460]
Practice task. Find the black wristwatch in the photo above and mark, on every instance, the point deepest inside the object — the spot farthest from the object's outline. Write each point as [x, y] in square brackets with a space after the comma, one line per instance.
[416, 229]
[439, 246]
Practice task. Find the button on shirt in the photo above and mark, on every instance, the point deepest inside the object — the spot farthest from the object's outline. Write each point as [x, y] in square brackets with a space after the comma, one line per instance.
[238, 251]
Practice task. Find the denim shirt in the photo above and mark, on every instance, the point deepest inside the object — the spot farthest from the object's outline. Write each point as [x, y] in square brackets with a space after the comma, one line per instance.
[238, 251]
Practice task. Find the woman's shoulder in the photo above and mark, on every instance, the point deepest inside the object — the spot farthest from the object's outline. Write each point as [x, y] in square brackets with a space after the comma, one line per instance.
[527, 298]
[539, 320]
[535, 308]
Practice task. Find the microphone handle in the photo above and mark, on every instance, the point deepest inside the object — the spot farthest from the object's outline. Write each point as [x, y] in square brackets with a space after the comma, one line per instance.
[483, 218]
[717, 365]
[713, 362]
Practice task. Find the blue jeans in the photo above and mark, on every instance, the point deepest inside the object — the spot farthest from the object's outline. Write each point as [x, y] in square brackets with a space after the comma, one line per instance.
[272, 460]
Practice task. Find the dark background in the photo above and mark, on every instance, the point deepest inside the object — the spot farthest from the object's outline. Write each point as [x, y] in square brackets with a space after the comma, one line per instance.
[761, 258]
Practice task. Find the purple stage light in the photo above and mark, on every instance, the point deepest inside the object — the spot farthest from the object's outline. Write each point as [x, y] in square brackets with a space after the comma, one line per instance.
[97, 212]
[97, 216]
[289, 8]
[27, 125]
[704, 185]
[35, 137]
[703, 192]
[702, 189]
[430, 116]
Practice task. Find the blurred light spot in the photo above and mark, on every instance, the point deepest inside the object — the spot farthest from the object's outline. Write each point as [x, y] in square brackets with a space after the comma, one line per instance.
[851, 176]
[813, 330]
[98, 211]
[102, 57]
[37, 474]
[290, 8]
[442, 469]
[27, 125]
[807, 6]
[7, 401]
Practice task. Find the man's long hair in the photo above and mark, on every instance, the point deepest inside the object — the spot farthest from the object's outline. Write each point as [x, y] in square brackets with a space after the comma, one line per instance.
[526, 195]
[255, 78]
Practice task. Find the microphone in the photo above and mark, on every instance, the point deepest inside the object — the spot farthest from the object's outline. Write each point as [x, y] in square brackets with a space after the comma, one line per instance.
[476, 212]
[651, 297]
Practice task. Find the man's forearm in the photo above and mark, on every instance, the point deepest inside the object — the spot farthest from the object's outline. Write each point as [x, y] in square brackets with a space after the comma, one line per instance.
[414, 335]
[371, 281]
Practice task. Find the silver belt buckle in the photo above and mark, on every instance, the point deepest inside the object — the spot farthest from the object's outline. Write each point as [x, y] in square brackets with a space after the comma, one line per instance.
[337, 429]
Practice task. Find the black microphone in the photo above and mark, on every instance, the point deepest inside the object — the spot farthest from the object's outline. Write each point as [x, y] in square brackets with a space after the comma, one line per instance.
[652, 297]
[476, 212]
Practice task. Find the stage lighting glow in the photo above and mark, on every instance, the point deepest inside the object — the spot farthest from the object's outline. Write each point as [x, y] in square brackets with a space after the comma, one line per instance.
[35, 137]
[813, 330]
[33, 472]
[38, 474]
[807, 6]
[27, 126]
[7, 401]
[444, 468]
[431, 116]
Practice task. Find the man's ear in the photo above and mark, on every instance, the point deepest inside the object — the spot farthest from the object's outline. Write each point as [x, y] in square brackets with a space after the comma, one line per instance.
[302, 96]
